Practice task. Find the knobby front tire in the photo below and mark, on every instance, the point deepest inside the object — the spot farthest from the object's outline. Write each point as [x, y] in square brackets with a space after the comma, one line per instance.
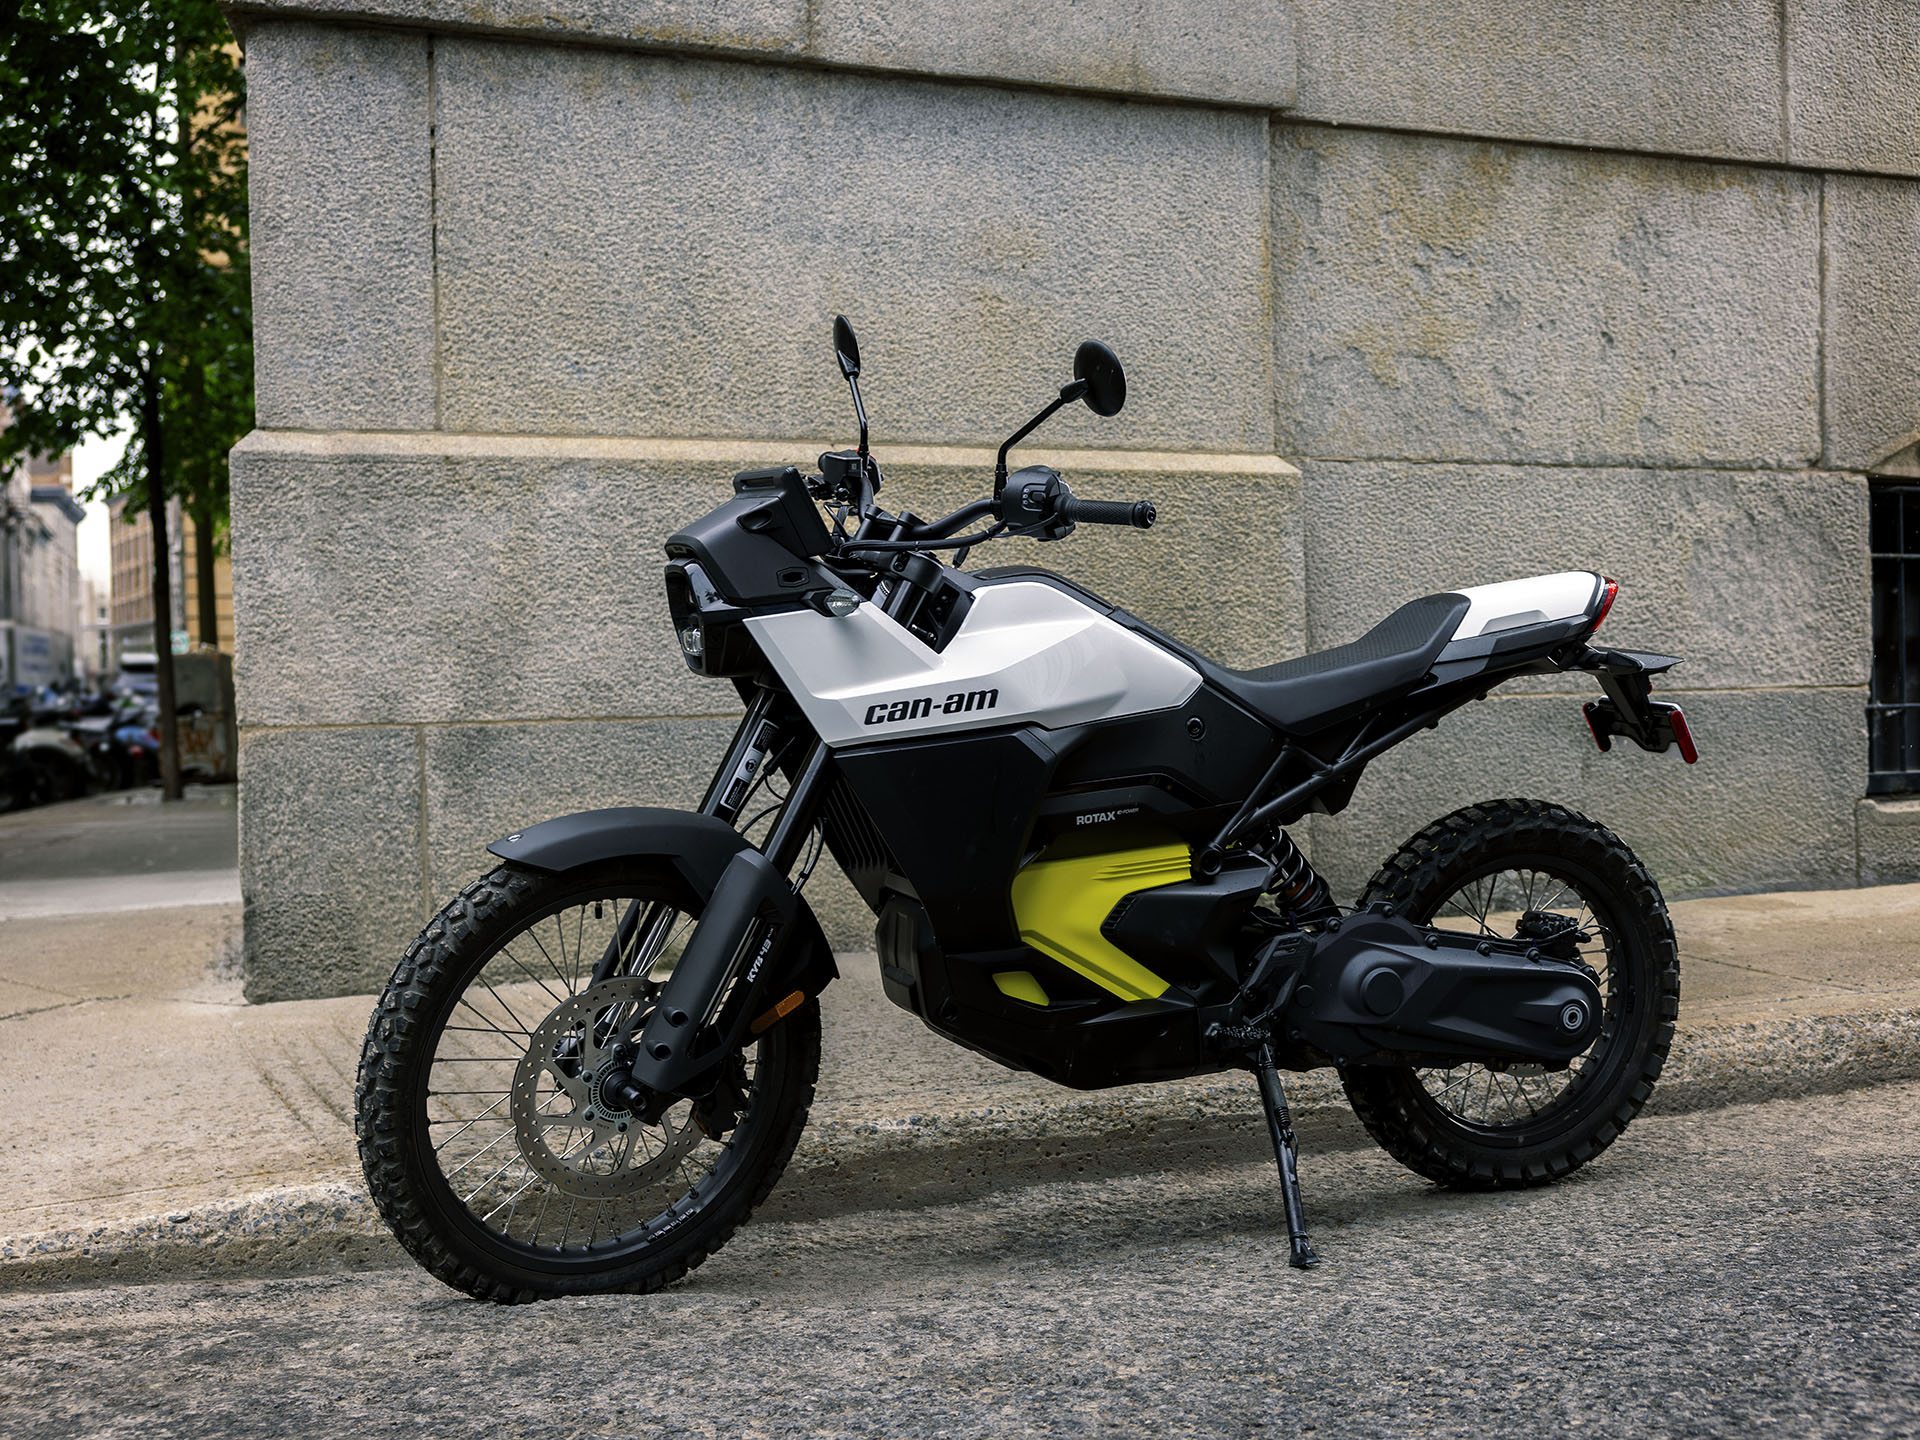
[474, 986]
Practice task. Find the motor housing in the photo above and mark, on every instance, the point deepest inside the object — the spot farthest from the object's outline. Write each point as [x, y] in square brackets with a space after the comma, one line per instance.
[1375, 988]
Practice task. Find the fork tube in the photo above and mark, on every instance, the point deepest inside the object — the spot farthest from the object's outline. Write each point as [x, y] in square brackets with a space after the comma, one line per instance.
[726, 793]
[745, 739]
[796, 819]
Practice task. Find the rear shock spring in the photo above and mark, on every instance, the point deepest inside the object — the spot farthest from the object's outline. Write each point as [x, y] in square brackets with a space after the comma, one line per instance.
[1298, 887]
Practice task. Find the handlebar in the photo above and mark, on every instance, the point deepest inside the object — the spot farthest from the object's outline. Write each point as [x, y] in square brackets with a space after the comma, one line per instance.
[1036, 503]
[1140, 514]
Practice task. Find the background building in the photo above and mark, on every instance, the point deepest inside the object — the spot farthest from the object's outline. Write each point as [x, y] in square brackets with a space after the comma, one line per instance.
[93, 634]
[130, 548]
[189, 586]
[39, 572]
[1410, 297]
[132, 562]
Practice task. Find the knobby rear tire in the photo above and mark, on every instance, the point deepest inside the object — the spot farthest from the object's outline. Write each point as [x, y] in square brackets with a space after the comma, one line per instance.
[1394, 1105]
[395, 1063]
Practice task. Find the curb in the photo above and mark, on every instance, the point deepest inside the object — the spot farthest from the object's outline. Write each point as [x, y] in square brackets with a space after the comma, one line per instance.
[845, 1167]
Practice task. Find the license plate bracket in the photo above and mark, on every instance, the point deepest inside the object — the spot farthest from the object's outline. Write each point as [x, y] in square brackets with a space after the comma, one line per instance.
[1660, 727]
[1626, 678]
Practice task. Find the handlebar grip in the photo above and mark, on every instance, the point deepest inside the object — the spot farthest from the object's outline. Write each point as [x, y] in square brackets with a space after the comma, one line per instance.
[1140, 514]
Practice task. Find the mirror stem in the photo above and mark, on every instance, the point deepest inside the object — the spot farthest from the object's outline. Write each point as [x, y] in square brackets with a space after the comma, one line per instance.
[1069, 393]
[860, 411]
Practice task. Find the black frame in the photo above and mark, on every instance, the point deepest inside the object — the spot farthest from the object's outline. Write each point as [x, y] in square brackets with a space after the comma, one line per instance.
[1893, 698]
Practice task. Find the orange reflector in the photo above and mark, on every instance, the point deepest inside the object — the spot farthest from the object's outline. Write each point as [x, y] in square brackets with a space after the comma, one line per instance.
[779, 1012]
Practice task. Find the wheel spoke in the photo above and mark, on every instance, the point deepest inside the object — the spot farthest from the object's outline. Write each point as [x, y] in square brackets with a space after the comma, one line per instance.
[1477, 1094]
[523, 1157]
[466, 1127]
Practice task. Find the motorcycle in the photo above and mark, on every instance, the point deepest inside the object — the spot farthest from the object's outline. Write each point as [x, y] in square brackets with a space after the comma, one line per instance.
[46, 762]
[597, 1059]
[119, 737]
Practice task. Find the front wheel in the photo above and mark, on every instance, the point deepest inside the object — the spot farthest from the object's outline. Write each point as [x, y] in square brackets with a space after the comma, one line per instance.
[491, 1144]
[1497, 869]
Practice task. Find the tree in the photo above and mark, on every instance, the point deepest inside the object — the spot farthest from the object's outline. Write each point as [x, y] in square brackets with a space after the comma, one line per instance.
[124, 291]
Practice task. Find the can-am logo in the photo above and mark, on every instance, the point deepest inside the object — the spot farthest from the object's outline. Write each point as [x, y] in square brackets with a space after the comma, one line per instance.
[960, 702]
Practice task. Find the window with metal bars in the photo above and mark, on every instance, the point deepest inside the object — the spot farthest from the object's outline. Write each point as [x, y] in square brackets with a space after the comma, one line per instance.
[1893, 709]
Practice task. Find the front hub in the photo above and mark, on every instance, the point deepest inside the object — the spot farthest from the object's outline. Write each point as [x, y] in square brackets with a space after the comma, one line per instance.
[572, 1114]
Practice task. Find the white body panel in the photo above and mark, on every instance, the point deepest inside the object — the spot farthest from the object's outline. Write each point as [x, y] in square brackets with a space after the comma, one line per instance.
[1533, 601]
[1042, 656]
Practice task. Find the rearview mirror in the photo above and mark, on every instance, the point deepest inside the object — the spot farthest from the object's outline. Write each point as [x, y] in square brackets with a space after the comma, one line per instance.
[1106, 382]
[846, 349]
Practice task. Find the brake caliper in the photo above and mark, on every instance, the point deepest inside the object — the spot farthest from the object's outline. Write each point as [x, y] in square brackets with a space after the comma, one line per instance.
[1554, 935]
[717, 1112]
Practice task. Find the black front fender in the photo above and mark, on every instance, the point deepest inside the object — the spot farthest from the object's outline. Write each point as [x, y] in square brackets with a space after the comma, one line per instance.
[699, 847]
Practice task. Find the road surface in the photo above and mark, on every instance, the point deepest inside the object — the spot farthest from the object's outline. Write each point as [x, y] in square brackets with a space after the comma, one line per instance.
[1723, 1272]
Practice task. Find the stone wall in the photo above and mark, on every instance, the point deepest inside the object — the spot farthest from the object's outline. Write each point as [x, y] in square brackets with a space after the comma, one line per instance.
[528, 290]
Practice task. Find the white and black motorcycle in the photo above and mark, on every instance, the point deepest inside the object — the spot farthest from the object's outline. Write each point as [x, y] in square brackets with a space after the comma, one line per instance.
[597, 1059]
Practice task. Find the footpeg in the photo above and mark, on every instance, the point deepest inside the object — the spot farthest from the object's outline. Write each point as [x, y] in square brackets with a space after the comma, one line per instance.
[1273, 1097]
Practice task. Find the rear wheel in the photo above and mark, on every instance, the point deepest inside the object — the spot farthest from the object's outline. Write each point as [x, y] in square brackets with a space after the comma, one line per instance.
[491, 1145]
[1523, 867]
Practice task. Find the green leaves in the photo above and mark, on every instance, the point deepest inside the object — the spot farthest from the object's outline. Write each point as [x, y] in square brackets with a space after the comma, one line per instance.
[123, 234]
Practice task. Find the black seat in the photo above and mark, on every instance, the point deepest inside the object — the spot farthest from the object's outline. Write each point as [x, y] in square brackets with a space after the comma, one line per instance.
[1328, 686]
[1314, 691]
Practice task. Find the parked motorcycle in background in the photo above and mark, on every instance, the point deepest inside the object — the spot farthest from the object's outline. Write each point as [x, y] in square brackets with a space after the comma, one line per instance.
[61, 746]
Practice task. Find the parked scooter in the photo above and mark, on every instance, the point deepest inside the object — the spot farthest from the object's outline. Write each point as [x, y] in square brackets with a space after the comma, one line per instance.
[121, 743]
[45, 763]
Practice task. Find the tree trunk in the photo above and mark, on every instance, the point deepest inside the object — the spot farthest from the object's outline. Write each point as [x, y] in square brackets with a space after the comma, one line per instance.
[151, 437]
[203, 576]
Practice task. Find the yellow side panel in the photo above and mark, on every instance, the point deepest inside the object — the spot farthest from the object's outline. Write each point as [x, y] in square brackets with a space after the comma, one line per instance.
[1020, 985]
[1060, 904]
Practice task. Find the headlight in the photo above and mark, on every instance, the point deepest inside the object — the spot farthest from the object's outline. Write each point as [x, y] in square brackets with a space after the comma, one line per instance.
[712, 639]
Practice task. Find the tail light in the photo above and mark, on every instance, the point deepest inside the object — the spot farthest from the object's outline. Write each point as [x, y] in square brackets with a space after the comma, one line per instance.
[1611, 588]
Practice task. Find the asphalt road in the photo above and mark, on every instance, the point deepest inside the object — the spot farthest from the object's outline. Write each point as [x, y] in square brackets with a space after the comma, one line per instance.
[1723, 1272]
[123, 850]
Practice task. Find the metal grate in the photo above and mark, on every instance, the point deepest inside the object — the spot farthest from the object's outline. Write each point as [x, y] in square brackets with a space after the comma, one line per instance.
[1893, 710]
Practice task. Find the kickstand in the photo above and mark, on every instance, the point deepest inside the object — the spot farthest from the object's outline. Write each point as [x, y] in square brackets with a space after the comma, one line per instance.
[1280, 1124]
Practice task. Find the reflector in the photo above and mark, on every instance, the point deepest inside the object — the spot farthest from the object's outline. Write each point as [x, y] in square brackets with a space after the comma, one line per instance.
[1682, 736]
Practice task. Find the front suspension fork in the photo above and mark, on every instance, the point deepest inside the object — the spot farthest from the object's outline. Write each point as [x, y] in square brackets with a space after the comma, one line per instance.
[733, 973]
[644, 929]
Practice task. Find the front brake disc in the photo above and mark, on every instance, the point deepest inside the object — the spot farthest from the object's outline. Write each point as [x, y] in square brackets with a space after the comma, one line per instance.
[570, 1129]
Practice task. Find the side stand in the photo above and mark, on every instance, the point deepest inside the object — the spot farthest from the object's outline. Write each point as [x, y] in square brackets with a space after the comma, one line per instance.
[1280, 1125]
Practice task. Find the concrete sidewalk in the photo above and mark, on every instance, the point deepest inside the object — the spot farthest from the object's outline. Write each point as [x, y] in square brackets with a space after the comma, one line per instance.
[155, 1113]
